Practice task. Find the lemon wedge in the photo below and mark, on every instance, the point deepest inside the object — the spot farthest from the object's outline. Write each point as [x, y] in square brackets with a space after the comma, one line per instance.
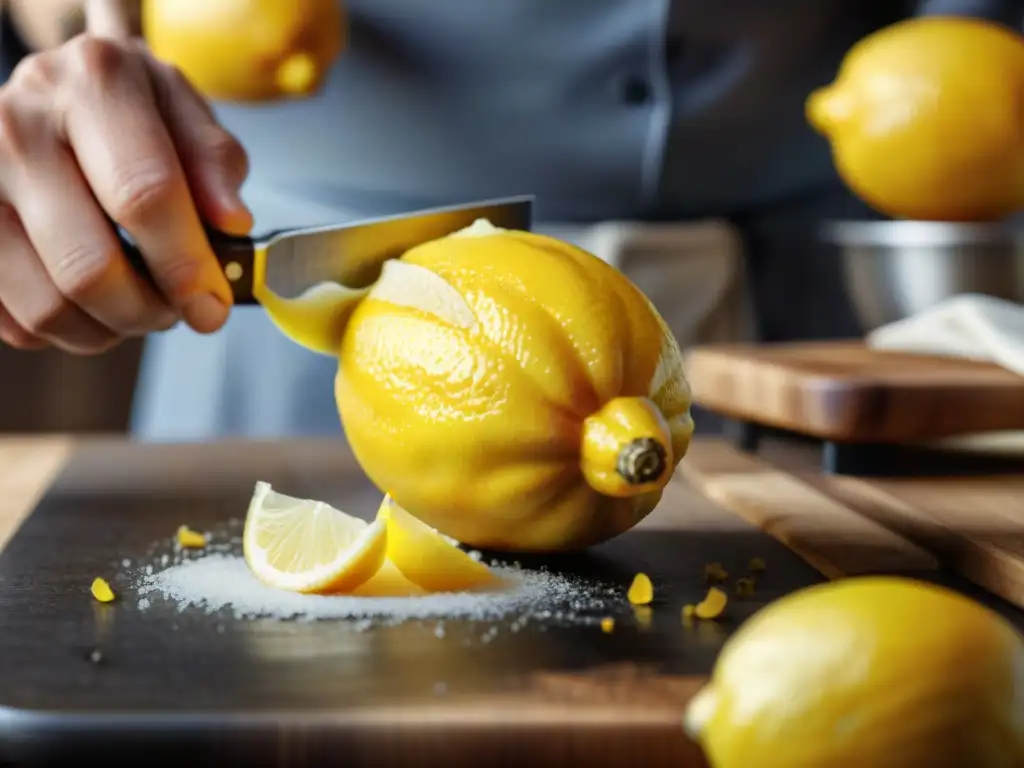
[307, 546]
[389, 582]
[427, 558]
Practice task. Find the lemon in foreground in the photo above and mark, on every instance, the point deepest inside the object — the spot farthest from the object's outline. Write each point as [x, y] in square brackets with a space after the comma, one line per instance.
[308, 546]
[513, 391]
[247, 50]
[426, 558]
[880, 672]
[924, 119]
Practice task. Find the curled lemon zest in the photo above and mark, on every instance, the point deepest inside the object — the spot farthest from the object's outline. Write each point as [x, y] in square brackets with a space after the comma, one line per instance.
[713, 605]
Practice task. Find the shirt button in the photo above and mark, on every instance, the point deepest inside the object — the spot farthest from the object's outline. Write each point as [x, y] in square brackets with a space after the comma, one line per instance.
[634, 90]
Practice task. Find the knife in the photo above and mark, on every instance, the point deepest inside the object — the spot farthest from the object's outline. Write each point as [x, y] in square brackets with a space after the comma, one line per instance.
[290, 261]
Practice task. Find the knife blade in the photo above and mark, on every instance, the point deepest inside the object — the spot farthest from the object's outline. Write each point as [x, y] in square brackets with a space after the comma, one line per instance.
[290, 261]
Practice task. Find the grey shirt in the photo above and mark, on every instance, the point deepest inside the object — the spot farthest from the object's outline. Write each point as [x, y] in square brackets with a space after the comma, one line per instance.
[645, 109]
[602, 108]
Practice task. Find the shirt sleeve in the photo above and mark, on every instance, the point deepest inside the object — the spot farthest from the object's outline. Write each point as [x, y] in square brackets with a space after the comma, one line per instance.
[1008, 12]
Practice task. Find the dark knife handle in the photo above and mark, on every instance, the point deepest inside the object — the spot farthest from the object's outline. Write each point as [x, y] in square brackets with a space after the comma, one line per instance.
[236, 256]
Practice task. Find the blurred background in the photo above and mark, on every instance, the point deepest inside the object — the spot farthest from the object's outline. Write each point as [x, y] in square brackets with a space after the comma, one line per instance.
[51, 391]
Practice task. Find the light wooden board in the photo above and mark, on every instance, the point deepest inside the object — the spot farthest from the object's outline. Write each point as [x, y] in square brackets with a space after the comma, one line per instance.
[27, 467]
[844, 391]
[976, 524]
[833, 538]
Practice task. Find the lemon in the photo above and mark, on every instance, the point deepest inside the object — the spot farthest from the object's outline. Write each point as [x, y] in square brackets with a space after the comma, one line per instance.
[247, 50]
[308, 546]
[513, 391]
[876, 671]
[389, 582]
[924, 119]
[427, 558]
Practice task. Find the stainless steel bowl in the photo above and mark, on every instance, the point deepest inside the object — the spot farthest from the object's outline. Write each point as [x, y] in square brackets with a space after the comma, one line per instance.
[895, 269]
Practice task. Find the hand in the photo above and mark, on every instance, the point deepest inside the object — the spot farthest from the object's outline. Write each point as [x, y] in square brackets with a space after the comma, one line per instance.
[98, 125]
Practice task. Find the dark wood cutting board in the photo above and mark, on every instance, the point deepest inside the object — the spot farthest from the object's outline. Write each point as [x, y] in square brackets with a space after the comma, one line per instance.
[845, 392]
[204, 688]
[81, 679]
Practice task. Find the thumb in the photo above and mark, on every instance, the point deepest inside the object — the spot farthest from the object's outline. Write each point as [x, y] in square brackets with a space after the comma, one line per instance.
[116, 19]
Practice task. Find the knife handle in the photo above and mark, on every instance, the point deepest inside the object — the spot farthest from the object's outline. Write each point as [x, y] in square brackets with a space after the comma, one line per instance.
[236, 256]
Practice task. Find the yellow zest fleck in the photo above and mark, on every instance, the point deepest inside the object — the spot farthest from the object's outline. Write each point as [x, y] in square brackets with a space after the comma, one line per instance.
[641, 591]
[689, 612]
[745, 586]
[190, 539]
[644, 615]
[713, 605]
[715, 573]
[756, 565]
[607, 625]
[101, 590]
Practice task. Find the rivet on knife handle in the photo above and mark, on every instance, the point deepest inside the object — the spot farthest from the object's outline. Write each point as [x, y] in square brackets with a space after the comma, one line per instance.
[236, 256]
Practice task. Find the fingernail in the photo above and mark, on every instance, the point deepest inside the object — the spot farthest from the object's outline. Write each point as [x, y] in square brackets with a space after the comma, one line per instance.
[205, 313]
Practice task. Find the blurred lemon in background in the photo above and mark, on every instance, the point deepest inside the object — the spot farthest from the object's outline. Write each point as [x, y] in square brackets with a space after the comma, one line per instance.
[878, 671]
[247, 50]
[926, 120]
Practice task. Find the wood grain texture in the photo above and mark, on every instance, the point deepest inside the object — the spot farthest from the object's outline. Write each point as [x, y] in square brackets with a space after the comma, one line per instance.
[846, 392]
[975, 525]
[834, 539]
[548, 693]
[27, 467]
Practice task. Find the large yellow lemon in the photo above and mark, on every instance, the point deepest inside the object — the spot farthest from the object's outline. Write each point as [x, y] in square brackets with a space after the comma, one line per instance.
[880, 672]
[926, 119]
[513, 391]
[247, 50]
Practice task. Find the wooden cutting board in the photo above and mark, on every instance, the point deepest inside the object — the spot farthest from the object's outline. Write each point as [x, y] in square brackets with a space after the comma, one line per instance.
[974, 526]
[845, 392]
[221, 689]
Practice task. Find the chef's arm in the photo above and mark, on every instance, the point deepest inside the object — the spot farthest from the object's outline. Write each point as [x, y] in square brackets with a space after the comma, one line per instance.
[1009, 12]
[48, 23]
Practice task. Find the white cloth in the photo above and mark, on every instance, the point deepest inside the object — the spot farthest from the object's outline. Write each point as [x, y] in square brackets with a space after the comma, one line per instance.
[249, 380]
[971, 326]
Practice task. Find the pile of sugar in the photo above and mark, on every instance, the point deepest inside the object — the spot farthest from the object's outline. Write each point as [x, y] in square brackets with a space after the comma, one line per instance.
[223, 582]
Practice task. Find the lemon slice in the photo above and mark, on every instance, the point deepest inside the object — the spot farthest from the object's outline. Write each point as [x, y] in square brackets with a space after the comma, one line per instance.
[308, 546]
[389, 582]
[427, 558]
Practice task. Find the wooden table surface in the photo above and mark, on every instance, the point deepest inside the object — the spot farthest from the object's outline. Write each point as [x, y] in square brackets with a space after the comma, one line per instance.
[27, 467]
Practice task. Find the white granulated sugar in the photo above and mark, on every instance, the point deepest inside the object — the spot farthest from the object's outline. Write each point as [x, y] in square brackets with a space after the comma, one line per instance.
[223, 582]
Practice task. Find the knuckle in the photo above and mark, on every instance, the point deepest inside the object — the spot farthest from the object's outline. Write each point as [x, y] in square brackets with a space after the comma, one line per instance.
[97, 59]
[141, 192]
[34, 73]
[80, 271]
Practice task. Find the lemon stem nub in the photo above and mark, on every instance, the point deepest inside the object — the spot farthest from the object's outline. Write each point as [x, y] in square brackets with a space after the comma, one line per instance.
[642, 461]
[627, 448]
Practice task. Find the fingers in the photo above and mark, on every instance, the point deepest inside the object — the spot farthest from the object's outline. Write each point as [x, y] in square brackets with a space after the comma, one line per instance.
[13, 335]
[115, 19]
[215, 164]
[34, 308]
[127, 156]
[82, 256]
